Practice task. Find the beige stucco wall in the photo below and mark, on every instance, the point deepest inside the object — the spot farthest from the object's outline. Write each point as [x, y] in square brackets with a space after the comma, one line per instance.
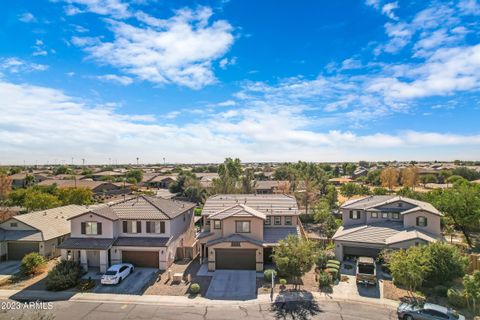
[144, 230]
[433, 222]
[295, 221]
[20, 225]
[348, 222]
[107, 226]
[256, 227]
[227, 245]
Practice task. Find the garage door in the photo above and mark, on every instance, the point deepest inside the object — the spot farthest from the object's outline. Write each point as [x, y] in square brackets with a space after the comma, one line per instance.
[141, 258]
[359, 251]
[17, 250]
[235, 259]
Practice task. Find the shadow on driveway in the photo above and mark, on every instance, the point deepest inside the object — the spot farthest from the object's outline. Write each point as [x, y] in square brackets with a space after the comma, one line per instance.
[301, 306]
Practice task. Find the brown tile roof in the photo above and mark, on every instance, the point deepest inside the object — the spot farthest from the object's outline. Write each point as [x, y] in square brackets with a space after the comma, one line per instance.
[142, 241]
[372, 202]
[238, 210]
[87, 243]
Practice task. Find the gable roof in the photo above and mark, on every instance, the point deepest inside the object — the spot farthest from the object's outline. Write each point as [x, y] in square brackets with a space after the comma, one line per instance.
[373, 202]
[143, 208]
[235, 237]
[238, 210]
[52, 223]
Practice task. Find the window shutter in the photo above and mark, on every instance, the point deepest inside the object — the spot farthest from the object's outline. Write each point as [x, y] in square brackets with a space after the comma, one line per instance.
[125, 226]
[351, 214]
[148, 227]
[99, 228]
[426, 222]
[417, 221]
[162, 227]
[139, 226]
[83, 228]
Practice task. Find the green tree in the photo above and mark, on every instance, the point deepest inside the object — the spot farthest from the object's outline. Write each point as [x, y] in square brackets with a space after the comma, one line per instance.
[409, 267]
[80, 196]
[135, 174]
[331, 196]
[350, 189]
[314, 181]
[428, 178]
[471, 283]
[29, 180]
[373, 177]
[248, 181]
[229, 175]
[466, 173]
[446, 263]
[322, 214]
[294, 257]
[62, 170]
[37, 200]
[379, 191]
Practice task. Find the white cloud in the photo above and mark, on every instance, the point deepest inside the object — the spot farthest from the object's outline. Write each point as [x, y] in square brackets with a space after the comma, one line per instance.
[227, 62]
[179, 52]
[123, 80]
[388, 8]
[115, 8]
[41, 118]
[16, 65]
[39, 48]
[27, 17]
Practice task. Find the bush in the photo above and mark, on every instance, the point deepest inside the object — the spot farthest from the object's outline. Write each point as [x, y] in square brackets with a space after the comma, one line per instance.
[440, 290]
[267, 274]
[321, 260]
[64, 275]
[195, 288]
[32, 263]
[446, 263]
[324, 279]
[85, 285]
[333, 266]
[456, 298]
[283, 281]
[334, 262]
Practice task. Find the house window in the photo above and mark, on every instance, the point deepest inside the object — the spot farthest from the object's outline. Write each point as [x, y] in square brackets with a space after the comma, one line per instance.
[421, 221]
[217, 224]
[374, 215]
[155, 226]
[396, 216]
[235, 244]
[288, 221]
[354, 215]
[242, 226]
[400, 204]
[91, 228]
[277, 221]
[132, 226]
[268, 221]
[13, 224]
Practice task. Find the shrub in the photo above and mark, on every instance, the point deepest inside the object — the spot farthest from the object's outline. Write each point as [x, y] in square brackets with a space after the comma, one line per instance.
[267, 274]
[334, 262]
[64, 275]
[333, 266]
[456, 298]
[324, 279]
[195, 288]
[440, 290]
[32, 263]
[85, 285]
[321, 260]
[446, 263]
[283, 281]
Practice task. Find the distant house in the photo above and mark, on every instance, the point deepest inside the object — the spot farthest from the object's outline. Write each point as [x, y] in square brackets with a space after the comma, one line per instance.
[269, 186]
[145, 231]
[114, 174]
[206, 179]
[340, 181]
[97, 187]
[359, 172]
[162, 181]
[373, 223]
[40, 231]
[19, 179]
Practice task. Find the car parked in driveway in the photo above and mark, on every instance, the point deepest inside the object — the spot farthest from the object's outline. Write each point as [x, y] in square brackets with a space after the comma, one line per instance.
[116, 273]
[428, 311]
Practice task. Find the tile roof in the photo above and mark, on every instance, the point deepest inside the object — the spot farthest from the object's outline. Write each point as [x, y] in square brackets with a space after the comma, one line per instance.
[87, 243]
[272, 235]
[268, 184]
[235, 237]
[269, 204]
[90, 184]
[52, 223]
[238, 210]
[141, 242]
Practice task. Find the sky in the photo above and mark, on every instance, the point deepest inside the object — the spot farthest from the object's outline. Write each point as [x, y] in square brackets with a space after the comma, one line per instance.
[269, 81]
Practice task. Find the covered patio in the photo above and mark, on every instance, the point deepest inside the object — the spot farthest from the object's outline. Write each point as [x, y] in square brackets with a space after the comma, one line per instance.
[91, 253]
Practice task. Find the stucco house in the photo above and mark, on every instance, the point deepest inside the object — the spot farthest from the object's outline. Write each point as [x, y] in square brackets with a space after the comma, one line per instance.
[39, 231]
[239, 231]
[373, 223]
[145, 231]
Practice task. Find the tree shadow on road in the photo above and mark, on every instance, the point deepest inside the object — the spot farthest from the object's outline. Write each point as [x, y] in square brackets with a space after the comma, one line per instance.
[302, 306]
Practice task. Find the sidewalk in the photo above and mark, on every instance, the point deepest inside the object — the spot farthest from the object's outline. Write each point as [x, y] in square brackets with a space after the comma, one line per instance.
[182, 300]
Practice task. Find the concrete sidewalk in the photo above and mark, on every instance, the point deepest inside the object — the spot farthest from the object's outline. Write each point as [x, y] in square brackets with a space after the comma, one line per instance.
[181, 300]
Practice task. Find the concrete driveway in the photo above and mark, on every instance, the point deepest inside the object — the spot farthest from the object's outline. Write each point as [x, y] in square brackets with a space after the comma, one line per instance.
[233, 285]
[135, 283]
[8, 269]
[350, 287]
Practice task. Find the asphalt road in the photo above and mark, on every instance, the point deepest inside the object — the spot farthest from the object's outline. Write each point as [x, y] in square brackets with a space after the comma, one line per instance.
[67, 310]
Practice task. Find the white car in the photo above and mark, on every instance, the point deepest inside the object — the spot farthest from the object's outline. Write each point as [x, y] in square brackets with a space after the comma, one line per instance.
[116, 273]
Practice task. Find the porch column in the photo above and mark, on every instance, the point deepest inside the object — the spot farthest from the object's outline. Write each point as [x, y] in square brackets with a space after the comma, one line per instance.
[64, 254]
[83, 259]
[103, 261]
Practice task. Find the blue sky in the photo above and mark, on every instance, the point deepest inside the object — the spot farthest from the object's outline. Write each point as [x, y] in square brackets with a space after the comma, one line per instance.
[197, 81]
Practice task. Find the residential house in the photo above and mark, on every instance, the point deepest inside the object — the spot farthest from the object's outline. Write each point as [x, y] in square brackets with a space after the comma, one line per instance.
[145, 231]
[40, 231]
[239, 231]
[162, 181]
[19, 179]
[270, 186]
[373, 223]
[97, 187]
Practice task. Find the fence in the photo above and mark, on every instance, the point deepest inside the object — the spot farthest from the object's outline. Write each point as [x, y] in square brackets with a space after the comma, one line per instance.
[474, 262]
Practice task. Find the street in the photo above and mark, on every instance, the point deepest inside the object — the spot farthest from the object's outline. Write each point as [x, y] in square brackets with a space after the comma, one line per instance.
[328, 310]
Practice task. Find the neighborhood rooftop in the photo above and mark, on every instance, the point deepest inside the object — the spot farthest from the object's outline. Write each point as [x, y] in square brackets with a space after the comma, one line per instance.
[371, 202]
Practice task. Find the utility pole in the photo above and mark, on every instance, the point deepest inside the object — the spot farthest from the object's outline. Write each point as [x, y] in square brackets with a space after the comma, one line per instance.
[83, 162]
[137, 161]
[163, 160]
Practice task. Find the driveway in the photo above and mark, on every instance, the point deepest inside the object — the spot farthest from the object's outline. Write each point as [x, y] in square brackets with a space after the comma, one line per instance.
[8, 269]
[233, 285]
[350, 287]
[135, 283]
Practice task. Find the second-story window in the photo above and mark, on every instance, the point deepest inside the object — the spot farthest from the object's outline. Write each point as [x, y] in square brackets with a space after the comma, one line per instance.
[384, 215]
[268, 221]
[396, 216]
[374, 215]
[132, 226]
[288, 221]
[422, 221]
[277, 221]
[91, 228]
[217, 224]
[13, 224]
[155, 226]
[354, 215]
[242, 226]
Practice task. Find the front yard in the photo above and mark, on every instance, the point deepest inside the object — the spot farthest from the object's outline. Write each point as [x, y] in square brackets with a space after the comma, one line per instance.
[20, 282]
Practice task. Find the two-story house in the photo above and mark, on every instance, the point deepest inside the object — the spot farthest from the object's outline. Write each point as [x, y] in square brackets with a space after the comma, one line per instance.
[239, 231]
[373, 223]
[145, 231]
